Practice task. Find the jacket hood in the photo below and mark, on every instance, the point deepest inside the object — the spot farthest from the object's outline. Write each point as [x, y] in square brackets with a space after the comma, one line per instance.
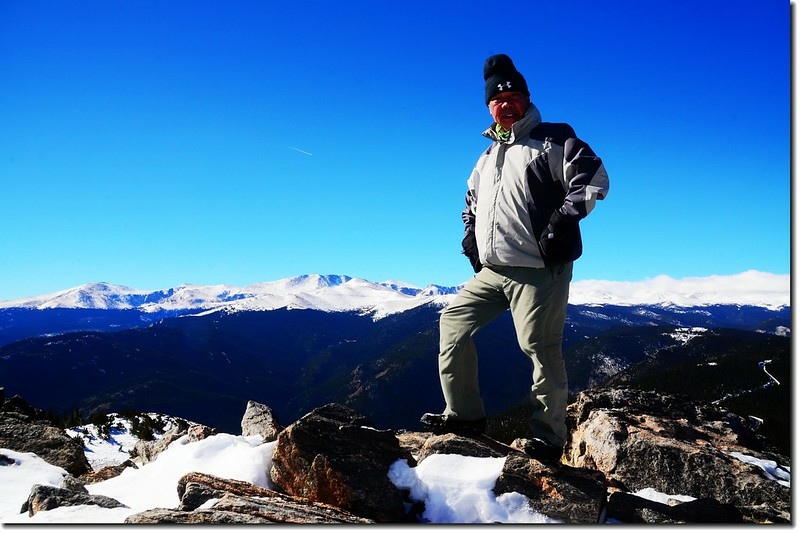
[520, 128]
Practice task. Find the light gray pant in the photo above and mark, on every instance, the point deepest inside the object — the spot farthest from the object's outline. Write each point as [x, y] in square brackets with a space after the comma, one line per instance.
[537, 298]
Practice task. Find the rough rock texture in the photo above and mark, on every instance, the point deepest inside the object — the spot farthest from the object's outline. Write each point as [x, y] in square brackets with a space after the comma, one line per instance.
[412, 441]
[198, 432]
[44, 498]
[107, 472]
[71, 483]
[332, 456]
[205, 516]
[632, 509]
[455, 444]
[147, 451]
[259, 419]
[195, 488]
[569, 495]
[238, 502]
[647, 440]
[330, 467]
[23, 429]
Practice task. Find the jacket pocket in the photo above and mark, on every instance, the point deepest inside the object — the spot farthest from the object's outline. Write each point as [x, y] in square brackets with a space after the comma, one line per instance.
[561, 241]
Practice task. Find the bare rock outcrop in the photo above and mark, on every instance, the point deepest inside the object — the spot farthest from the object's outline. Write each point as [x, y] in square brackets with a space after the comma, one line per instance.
[455, 444]
[332, 467]
[45, 497]
[24, 429]
[259, 419]
[333, 456]
[645, 440]
[239, 502]
[74, 484]
[107, 472]
[561, 493]
[631, 509]
[146, 451]
[569, 495]
[203, 516]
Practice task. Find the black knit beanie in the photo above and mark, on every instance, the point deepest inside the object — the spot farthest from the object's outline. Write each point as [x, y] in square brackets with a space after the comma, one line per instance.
[501, 75]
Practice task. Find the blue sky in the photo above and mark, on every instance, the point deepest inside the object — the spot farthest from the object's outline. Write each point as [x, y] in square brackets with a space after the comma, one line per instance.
[155, 143]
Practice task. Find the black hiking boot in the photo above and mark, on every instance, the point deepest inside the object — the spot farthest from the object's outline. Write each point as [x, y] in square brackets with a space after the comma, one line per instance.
[543, 451]
[441, 424]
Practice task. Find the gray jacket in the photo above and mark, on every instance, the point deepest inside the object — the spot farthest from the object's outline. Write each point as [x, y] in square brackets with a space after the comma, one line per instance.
[526, 196]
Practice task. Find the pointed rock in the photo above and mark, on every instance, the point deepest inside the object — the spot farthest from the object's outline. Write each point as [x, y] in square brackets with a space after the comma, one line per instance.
[259, 419]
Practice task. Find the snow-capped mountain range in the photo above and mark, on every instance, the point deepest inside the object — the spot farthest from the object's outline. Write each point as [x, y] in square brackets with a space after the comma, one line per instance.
[344, 293]
[326, 293]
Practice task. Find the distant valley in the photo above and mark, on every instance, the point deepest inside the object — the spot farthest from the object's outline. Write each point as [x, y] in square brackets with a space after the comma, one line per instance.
[204, 365]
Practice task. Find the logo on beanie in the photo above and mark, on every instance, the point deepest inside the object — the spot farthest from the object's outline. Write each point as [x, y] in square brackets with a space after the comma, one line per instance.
[500, 74]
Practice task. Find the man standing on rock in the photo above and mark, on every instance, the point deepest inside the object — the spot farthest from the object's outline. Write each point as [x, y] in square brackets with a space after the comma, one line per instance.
[525, 197]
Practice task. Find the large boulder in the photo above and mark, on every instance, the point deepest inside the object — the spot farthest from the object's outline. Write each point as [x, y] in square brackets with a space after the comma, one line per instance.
[569, 495]
[645, 440]
[24, 429]
[239, 502]
[45, 498]
[333, 456]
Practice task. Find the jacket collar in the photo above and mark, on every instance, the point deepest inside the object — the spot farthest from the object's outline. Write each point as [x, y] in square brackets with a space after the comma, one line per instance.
[520, 128]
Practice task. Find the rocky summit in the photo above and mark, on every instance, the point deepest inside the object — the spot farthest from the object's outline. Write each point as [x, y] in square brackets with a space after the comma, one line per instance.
[332, 467]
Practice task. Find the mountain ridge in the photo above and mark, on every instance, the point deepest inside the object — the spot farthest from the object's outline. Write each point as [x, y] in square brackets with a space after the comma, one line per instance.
[344, 293]
[293, 359]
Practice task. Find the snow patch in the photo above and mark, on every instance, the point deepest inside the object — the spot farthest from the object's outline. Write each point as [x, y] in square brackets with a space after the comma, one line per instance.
[458, 489]
[684, 335]
[772, 470]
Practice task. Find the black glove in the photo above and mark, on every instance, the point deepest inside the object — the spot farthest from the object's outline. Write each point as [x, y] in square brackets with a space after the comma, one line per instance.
[561, 240]
[469, 248]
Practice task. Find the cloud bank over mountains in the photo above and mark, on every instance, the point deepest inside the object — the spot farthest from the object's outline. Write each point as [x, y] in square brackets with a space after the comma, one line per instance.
[756, 288]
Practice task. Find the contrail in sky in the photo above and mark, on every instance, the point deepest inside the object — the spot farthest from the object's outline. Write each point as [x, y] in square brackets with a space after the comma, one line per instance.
[299, 150]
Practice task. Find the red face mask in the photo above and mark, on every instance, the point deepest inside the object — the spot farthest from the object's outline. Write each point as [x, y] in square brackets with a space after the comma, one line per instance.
[507, 108]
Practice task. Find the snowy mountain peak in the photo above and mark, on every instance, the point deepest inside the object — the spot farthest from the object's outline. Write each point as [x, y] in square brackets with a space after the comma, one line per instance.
[344, 293]
[401, 287]
[438, 290]
[317, 281]
[99, 295]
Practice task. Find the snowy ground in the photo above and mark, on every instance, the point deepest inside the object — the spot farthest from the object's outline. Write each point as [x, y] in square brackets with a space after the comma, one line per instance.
[455, 489]
[113, 450]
